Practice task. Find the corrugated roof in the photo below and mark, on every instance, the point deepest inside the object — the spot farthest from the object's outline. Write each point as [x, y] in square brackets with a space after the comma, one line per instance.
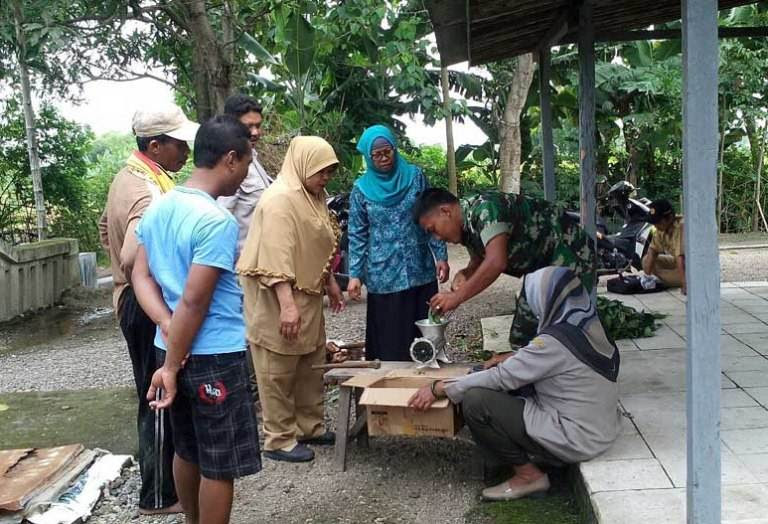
[484, 31]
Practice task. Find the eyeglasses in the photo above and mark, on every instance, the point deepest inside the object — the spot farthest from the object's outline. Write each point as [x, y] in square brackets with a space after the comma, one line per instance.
[381, 154]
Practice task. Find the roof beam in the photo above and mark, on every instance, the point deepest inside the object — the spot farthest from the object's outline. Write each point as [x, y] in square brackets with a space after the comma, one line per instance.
[669, 34]
[469, 31]
[556, 32]
[547, 143]
[449, 18]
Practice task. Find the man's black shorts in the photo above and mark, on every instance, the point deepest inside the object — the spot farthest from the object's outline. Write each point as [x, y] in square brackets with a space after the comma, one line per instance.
[213, 416]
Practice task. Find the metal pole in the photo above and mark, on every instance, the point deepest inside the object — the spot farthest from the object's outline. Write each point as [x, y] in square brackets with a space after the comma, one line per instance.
[587, 140]
[547, 144]
[700, 61]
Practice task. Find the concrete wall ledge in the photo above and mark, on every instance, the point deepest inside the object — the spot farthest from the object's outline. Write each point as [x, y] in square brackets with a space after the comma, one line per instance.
[34, 275]
[38, 250]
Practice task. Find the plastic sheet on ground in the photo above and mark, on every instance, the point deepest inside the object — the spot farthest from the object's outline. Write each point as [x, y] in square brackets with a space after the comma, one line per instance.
[76, 503]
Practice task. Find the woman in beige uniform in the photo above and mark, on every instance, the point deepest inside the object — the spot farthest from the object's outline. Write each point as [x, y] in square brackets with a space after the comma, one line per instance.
[284, 270]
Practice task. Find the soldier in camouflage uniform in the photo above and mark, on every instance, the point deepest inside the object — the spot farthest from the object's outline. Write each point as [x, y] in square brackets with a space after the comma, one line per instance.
[504, 233]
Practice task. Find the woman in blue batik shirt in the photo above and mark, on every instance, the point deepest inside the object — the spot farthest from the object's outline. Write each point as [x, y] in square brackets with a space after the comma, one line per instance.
[397, 261]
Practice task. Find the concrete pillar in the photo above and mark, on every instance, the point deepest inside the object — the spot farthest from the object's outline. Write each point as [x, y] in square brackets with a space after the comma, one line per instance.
[700, 141]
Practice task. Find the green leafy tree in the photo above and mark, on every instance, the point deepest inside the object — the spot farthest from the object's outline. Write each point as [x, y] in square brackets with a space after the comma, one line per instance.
[743, 91]
[333, 69]
[432, 161]
[190, 45]
[330, 68]
[63, 147]
[498, 101]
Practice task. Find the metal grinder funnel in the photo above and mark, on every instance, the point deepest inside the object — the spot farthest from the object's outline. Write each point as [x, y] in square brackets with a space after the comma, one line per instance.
[434, 334]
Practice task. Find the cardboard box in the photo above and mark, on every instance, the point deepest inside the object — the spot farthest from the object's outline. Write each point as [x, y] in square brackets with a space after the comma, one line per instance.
[386, 401]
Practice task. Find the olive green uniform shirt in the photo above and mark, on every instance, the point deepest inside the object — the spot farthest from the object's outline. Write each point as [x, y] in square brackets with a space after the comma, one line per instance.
[540, 233]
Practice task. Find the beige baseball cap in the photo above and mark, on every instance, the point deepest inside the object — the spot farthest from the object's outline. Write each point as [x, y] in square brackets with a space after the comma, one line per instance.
[166, 119]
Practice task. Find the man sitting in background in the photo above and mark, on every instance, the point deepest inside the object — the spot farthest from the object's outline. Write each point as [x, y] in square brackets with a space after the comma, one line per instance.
[666, 257]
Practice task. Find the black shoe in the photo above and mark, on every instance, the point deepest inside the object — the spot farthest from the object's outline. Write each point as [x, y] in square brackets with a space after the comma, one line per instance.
[300, 453]
[326, 439]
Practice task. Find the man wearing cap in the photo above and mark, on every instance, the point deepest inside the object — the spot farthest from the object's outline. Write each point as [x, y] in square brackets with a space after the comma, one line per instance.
[666, 256]
[244, 201]
[162, 134]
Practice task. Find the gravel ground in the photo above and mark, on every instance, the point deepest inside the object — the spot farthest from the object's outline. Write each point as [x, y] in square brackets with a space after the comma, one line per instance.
[743, 265]
[84, 329]
[395, 480]
[426, 481]
[46, 352]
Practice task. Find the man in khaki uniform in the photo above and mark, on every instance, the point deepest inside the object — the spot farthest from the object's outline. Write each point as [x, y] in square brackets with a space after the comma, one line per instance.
[244, 201]
[161, 137]
[666, 256]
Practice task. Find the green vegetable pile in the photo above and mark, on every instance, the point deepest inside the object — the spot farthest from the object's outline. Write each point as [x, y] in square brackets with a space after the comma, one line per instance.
[621, 321]
[434, 317]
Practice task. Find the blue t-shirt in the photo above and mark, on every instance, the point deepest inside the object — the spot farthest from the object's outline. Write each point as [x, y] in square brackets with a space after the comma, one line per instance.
[188, 227]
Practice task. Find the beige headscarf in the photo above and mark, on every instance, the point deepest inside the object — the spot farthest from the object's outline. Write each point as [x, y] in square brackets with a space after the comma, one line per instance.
[291, 236]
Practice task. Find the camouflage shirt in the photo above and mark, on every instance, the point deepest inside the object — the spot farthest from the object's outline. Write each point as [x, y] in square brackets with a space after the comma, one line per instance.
[535, 228]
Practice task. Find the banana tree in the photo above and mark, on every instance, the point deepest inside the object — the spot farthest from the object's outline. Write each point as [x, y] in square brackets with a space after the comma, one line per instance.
[295, 67]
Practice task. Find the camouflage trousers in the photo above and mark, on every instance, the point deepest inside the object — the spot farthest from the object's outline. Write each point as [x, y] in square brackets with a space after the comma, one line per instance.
[574, 251]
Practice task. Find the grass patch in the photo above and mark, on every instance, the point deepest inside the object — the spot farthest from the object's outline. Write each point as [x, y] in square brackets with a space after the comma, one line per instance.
[104, 418]
[553, 509]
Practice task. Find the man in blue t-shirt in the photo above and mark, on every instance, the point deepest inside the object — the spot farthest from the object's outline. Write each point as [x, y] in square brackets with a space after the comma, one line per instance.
[184, 279]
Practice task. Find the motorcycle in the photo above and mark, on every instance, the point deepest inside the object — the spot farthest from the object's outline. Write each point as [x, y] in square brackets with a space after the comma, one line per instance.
[625, 249]
[338, 205]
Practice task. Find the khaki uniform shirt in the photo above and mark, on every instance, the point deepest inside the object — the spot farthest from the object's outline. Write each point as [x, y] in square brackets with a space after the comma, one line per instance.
[669, 242]
[244, 201]
[129, 196]
[262, 319]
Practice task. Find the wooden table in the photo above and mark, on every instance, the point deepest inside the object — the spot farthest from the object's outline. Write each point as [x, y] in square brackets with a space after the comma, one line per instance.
[359, 430]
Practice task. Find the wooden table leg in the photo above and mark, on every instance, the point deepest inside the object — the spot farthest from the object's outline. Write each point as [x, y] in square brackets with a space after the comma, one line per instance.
[360, 421]
[342, 427]
[359, 426]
